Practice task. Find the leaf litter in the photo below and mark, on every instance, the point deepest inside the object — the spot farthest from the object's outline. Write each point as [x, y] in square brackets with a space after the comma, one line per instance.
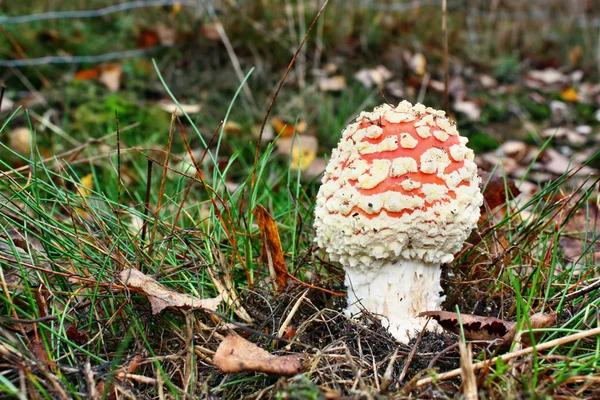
[271, 250]
[161, 297]
[488, 328]
[236, 354]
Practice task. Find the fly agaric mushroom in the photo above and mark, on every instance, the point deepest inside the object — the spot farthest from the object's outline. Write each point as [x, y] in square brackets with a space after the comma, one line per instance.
[399, 197]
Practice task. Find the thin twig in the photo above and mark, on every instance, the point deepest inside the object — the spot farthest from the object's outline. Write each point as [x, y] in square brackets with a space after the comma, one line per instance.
[387, 375]
[412, 352]
[285, 75]
[2, 88]
[118, 160]
[163, 180]
[578, 293]
[484, 364]
[147, 199]
[291, 314]
[28, 321]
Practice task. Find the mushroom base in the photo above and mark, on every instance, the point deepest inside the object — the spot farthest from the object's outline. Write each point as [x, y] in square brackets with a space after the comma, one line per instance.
[398, 292]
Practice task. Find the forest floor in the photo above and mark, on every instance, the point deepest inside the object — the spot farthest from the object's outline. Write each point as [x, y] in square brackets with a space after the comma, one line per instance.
[140, 191]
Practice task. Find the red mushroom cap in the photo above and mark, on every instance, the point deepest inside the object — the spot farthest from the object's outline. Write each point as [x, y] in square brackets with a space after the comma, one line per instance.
[401, 183]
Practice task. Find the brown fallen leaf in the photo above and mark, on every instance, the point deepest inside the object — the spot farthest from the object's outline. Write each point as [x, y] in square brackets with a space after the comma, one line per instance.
[272, 252]
[87, 74]
[488, 328]
[578, 233]
[575, 55]
[160, 297]
[286, 129]
[37, 347]
[236, 354]
[233, 128]
[146, 39]
[75, 335]
[494, 193]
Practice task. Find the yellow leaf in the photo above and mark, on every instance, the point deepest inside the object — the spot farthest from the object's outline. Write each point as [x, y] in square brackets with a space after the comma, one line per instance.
[232, 127]
[569, 94]
[176, 9]
[87, 185]
[302, 157]
[575, 55]
[302, 150]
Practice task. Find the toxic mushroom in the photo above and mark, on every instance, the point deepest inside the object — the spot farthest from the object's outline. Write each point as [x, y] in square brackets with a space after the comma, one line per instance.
[399, 197]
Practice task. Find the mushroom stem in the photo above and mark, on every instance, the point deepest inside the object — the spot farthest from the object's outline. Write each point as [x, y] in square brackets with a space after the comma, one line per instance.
[397, 291]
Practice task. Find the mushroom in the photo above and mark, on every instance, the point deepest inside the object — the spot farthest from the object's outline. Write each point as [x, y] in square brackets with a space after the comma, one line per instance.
[399, 197]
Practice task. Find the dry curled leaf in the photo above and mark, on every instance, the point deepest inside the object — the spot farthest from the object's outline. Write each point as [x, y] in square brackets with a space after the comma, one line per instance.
[272, 252]
[496, 190]
[77, 336]
[147, 38]
[487, 328]
[236, 354]
[160, 297]
[578, 233]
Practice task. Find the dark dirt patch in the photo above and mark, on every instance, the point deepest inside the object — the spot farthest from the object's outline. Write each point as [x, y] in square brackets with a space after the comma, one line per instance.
[344, 354]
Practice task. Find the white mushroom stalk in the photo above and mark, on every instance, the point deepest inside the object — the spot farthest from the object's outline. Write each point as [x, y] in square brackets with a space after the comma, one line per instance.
[399, 197]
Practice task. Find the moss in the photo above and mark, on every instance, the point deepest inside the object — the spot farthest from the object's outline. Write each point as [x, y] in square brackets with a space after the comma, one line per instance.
[481, 142]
